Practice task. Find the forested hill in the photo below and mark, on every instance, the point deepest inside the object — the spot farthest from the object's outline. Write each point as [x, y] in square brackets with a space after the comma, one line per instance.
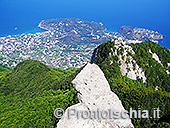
[134, 71]
[31, 92]
[146, 61]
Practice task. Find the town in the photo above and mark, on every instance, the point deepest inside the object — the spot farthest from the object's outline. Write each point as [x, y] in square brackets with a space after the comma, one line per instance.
[65, 42]
[55, 48]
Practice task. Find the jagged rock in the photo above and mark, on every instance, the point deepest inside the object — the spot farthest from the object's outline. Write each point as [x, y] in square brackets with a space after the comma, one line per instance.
[94, 93]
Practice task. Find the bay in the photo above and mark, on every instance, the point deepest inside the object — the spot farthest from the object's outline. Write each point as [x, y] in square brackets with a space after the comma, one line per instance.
[18, 16]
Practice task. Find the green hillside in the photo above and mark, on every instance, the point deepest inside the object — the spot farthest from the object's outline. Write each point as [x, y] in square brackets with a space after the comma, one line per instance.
[4, 70]
[134, 93]
[32, 91]
[156, 73]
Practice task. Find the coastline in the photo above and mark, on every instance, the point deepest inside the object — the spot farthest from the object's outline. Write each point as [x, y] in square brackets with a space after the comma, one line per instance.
[28, 31]
[40, 25]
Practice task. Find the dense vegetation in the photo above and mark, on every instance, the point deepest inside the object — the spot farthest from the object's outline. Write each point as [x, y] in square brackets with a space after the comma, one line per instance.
[32, 91]
[134, 93]
[4, 70]
[155, 72]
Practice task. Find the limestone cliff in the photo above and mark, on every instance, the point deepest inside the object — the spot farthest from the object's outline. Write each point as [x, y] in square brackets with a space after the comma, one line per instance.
[94, 93]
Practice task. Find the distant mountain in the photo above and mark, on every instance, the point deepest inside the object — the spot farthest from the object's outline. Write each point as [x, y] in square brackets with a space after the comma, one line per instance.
[139, 74]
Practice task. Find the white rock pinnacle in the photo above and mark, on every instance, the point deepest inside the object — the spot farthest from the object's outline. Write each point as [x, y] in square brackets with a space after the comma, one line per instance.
[94, 93]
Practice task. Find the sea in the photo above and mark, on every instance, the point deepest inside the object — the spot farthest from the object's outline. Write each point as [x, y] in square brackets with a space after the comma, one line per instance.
[23, 16]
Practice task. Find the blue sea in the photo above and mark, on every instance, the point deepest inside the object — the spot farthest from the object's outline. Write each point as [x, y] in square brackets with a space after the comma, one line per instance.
[23, 16]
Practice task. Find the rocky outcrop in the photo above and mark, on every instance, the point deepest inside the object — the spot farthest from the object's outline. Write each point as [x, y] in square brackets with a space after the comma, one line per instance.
[94, 93]
[155, 56]
[128, 65]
